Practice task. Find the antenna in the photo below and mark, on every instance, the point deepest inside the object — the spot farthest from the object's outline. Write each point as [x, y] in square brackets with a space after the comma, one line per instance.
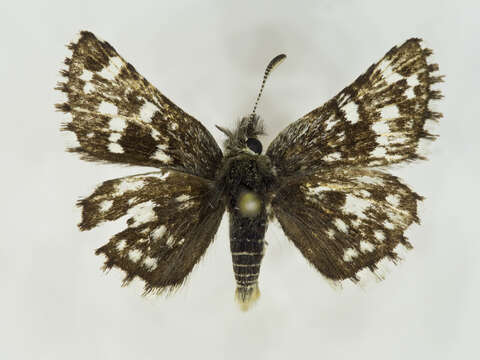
[271, 65]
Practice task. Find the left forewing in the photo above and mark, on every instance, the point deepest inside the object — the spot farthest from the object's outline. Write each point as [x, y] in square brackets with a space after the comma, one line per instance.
[346, 221]
[171, 222]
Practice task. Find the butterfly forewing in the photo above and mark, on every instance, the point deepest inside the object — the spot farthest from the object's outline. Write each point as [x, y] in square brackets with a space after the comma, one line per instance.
[346, 220]
[380, 119]
[170, 223]
[118, 116]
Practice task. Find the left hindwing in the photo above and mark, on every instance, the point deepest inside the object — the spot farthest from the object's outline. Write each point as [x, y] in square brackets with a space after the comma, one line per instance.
[118, 116]
[381, 119]
[171, 222]
[346, 220]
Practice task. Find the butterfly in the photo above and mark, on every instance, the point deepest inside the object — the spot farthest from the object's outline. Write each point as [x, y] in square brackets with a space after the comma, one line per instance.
[324, 177]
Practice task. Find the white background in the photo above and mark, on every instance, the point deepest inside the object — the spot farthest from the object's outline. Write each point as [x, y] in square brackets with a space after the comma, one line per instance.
[209, 57]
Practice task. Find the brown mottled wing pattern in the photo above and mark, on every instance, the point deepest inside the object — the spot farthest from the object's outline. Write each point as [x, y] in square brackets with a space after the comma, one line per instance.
[118, 116]
[382, 118]
[341, 213]
[346, 220]
[170, 224]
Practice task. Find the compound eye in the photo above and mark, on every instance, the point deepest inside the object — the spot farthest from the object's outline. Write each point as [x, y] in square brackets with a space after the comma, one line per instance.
[254, 145]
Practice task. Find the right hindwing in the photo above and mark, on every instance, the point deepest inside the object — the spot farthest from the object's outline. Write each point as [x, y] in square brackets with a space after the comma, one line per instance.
[347, 220]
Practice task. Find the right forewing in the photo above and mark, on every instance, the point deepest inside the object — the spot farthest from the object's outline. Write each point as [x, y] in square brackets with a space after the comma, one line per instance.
[118, 116]
[384, 117]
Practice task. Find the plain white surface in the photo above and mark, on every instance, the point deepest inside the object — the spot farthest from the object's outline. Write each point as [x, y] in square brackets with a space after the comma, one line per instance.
[208, 57]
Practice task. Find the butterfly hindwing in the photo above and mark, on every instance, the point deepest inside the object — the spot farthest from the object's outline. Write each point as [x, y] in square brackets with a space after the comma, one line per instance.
[382, 118]
[171, 222]
[118, 116]
[346, 220]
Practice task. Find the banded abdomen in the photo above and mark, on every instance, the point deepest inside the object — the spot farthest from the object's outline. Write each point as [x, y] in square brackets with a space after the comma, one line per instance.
[248, 223]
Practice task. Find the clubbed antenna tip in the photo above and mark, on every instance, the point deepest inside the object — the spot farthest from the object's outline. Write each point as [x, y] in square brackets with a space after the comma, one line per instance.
[271, 65]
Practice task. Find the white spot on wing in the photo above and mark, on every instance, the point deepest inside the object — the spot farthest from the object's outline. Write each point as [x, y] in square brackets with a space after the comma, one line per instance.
[135, 255]
[150, 263]
[370, 180]
[170, 241]
[410, 93]
[86, 75]
[349, 254]
[117, 124]
[159, 232]
[351, 112]
[182, 198]
[389, 75]
[356, 205]
[332, 157]
[160, 175]
[112, 70]
[318, 189]
[147, 111]
[116, 61]
[383, 140]
[365, 246]
[381, 127]
[393, 78]
[88, 88]
[341, 225]
[365, 193]
[388, 225]
[107, 108]
[379, 235]
[331, 122]
[161, 156]
[389, 112]
[129, 185]
[115, 148]
[393, 199]
[412, 80]
[122, 244]
[379, 151]
[114, 137]
[155, 134]
[105, 205]
[143, 213]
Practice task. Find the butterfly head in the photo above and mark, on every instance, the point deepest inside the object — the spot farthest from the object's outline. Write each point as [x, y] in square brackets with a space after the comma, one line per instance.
[245, 136]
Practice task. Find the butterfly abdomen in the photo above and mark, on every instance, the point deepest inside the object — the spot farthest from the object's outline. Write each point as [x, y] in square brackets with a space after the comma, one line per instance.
[247, 232]
[247, 180]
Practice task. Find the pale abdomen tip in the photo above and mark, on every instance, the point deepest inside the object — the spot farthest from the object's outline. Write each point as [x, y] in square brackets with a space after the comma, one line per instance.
[246, 296]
